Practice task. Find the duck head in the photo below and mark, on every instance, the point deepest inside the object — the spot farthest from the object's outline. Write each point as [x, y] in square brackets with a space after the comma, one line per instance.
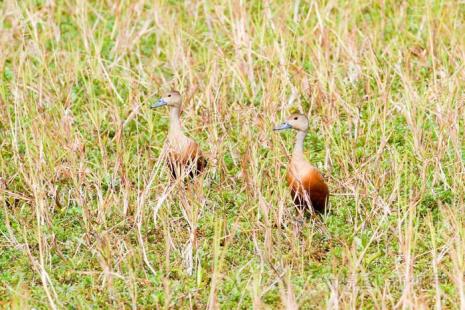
[297, 122]
[171, 99]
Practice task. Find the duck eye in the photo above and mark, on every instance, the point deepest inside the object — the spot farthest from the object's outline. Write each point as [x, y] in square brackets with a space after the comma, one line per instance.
[295, 118]
[169, 95]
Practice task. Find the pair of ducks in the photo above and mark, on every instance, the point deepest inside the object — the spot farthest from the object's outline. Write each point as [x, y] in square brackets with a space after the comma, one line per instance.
[308, 188]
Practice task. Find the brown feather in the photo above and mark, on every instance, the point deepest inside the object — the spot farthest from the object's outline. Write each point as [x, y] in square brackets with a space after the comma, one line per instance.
[310, 192]
[189, 162]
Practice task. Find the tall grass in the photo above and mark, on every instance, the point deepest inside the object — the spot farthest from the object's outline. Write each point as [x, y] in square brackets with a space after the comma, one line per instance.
[88, 216]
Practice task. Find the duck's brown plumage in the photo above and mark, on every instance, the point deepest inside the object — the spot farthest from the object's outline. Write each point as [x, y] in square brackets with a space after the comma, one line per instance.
[190, 161]
[312, 191]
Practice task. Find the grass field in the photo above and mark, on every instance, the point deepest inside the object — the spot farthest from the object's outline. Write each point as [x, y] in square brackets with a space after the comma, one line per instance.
[89, 218]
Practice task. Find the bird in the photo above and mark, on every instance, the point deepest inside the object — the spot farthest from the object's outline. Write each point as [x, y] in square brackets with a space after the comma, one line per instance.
[184, 155]
[308, 188]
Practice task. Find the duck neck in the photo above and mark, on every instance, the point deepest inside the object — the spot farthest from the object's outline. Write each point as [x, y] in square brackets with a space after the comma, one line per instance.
[299, 144]
[175, 121]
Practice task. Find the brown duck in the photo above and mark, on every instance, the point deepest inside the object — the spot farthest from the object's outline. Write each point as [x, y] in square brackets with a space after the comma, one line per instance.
[307, 185]
[184, 154]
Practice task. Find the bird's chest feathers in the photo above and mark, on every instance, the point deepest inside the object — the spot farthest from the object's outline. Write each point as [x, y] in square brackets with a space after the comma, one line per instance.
[178, 142]
[299, 169]
[300, 174]
[180, 147]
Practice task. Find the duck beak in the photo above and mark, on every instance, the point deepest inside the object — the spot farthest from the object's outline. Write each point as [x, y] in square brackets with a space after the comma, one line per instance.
[283, 126]
[158, 104]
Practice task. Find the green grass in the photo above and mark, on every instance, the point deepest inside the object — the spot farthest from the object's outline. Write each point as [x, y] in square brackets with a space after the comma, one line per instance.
[89, 219]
